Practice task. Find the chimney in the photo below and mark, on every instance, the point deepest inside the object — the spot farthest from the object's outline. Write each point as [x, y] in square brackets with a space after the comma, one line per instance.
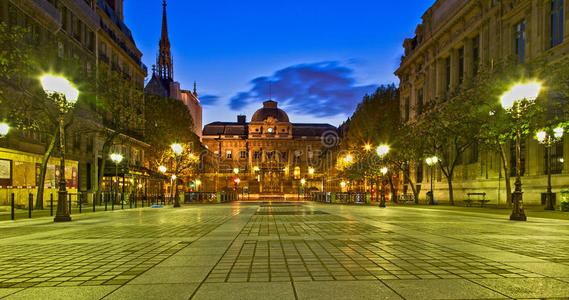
[241, 119]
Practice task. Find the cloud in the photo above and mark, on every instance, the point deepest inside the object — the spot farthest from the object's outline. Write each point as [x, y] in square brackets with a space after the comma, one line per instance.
[208, 100]
[321, 89]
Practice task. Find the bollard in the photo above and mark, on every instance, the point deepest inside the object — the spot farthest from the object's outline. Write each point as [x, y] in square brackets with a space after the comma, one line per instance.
[12, 207]
[30, 205]
[135, 203]
[80, 202]
[51, 205]
[95, 196]
[113, 201]
[106, 201]
[69, 200]
[130, 200]
[122, 200]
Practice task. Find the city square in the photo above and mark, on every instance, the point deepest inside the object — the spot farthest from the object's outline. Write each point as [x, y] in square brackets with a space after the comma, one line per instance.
[285, 250]
[306, 149]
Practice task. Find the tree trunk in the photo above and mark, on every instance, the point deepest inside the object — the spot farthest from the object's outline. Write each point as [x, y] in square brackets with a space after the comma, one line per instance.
[392, 189]
[506, 167]
[450, 191]
[43, 170]
[104, 153]
[415, 193]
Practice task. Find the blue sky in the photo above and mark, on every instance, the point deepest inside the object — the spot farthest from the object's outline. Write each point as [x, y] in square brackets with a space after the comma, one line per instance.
[317, 58]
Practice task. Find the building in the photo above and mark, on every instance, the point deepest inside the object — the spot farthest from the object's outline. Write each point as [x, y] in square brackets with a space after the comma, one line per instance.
[268, 155]
[457, 38]
[93, 34]
[162, 82]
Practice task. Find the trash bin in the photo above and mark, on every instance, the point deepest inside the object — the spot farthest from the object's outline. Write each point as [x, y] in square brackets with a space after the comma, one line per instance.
[564, 200]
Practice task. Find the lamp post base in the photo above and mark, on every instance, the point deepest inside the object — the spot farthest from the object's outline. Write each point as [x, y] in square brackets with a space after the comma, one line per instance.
[62, 214]
[62, 218]
[518, 213]
[549, 201]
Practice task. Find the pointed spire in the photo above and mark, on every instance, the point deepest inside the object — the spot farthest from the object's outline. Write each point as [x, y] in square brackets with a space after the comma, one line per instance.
[165, 69]
[195, 89]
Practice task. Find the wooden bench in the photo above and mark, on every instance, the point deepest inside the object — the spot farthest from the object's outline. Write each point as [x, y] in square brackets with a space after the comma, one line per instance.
[481, 199]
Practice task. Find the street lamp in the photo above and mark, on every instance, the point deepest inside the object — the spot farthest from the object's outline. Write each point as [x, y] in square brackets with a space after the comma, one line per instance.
[177, 149]
[116, 158]
[548, 140]
[198, 182]
[382, 199]
[432, 161]
[382, 150]
[311, 171]
[236, 171]
[65, 96]
[348, 158]
[367, 147]
[4, 129]
[511, 102]
[162, 169]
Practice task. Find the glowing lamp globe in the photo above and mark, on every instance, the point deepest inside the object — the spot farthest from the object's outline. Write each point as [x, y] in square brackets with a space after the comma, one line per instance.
[382, 150]
[4, 129]
[541, 136]
[177, 148]
[558, 132]
[384, 171]
[162, 169]
[117, 158]
[56, 84]
[528, 91]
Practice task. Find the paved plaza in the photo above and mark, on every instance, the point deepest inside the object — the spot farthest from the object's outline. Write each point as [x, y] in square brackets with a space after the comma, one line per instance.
[284, 251]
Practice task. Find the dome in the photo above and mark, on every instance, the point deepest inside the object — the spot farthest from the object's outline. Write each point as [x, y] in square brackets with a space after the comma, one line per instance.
[269, 110]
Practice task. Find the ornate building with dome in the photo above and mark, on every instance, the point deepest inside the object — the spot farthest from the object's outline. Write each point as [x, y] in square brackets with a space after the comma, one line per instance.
[268, 155]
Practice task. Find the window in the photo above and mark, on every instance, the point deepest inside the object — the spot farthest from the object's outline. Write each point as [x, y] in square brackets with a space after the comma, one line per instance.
[460, 65]
[556, 22]
[420, 101]
[243, 154]
[406, 110]
[257, 155]
[520, 40]
[475, 54]
[228, 154]
[556, 158]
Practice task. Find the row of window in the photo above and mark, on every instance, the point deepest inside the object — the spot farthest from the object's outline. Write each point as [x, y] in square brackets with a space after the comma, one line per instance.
[257, 155]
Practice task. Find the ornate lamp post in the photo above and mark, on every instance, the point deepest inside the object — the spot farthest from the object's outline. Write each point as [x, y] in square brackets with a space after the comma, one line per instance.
[65, 96]
[177, 149]
[382, 152]
[548, 139]
[511, 102]
[382, 201]
[432, 161]
[116, 158]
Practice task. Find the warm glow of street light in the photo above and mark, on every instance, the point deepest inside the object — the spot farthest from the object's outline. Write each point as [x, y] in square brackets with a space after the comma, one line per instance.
[528, 91]
[162, 169]
[558, 132]
[56, 84]
[4, 129]
[343, 184]
[177, 148]
[367, 147]
[541, 136]
[256, 169]
[236, 170]
[310, 171]
[432, 160]
[348, 158]
[198, 182]
[382, 150]
[116, 157]
[303, 181]
[435, 159]
[384, 171]
[174, 177]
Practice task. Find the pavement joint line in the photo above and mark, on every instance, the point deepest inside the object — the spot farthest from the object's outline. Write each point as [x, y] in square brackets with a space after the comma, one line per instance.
[221, 257]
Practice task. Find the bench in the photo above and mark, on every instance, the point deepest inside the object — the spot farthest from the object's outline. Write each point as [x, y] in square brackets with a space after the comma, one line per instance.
[481, 199]
[406, 198]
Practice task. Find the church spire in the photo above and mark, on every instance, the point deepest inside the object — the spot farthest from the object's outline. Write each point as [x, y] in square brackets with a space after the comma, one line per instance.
[195, 89]
[165, 70]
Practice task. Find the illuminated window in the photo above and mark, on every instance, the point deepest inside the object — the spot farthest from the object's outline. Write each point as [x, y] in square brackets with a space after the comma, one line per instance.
[556, 22]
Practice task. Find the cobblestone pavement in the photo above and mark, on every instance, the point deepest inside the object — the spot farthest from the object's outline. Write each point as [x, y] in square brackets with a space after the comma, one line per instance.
[284, 251]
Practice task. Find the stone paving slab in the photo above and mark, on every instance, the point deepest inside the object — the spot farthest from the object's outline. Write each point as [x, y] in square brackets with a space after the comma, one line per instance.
[344, 290]
[442, 289]
[154, 291]
[245, 291]
[528, 287]
[64, 293]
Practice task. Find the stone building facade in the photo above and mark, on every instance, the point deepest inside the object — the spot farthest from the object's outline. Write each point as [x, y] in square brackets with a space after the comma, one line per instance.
[457, 38]
[269, 155]
[92, 32]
